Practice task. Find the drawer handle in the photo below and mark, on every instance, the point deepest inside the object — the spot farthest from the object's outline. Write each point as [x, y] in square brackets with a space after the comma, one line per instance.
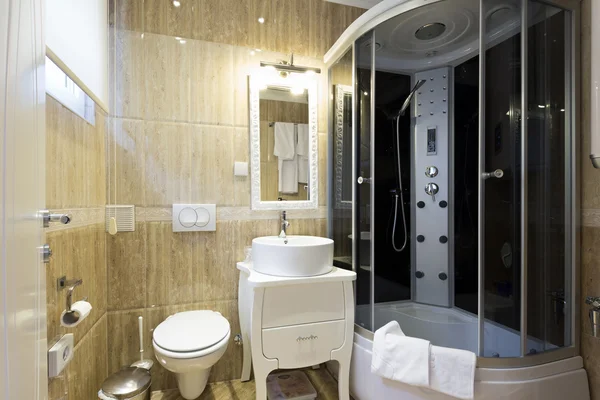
[303, 338]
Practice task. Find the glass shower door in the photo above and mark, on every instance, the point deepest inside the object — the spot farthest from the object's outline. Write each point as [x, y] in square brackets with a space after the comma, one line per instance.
[363, 171]
[501, 186]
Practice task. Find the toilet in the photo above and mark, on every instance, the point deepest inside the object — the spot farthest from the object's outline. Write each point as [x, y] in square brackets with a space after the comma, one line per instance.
[188, 344]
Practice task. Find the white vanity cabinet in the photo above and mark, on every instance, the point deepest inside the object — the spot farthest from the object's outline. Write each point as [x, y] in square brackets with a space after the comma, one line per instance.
[295, 322]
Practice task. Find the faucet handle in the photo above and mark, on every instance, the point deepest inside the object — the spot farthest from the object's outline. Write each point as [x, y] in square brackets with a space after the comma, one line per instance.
[593, 301]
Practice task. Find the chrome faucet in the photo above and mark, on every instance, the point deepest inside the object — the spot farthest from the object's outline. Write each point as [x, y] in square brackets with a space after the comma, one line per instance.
[284, 223]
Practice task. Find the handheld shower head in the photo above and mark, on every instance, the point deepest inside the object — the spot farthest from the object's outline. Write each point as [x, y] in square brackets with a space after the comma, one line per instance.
[417, 86]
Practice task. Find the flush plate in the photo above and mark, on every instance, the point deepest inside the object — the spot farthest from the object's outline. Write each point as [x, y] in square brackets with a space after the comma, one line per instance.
[194, 217]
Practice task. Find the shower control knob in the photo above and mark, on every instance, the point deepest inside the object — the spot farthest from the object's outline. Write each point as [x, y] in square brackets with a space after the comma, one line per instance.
[421, 204]
[443, 276]
[431, 171]
[443, 204]
[420, 238]
[443, 239]
[432, 189]
[419, 274]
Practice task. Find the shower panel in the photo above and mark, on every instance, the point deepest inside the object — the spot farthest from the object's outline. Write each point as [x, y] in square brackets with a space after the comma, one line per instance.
[432, 131]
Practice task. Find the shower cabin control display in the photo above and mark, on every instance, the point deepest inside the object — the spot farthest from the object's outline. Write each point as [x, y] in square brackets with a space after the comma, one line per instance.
[432, 141]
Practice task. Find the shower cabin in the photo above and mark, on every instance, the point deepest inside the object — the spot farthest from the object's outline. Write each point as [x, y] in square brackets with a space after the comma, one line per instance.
[453, 173]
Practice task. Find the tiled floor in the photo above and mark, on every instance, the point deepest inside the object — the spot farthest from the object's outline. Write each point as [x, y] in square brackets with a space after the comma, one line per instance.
[323, 382]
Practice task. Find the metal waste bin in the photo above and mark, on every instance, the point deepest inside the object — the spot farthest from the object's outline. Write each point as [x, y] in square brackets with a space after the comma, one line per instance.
[130, 383]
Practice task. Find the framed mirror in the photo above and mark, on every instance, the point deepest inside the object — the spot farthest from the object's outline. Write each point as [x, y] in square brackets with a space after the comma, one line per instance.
[283, 141]
[343, 146]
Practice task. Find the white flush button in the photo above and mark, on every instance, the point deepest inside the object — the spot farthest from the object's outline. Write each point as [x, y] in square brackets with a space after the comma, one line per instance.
[203, 217]
[188, 217]
[194, 217]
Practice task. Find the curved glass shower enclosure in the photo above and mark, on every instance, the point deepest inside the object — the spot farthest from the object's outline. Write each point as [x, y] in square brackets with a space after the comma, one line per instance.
[453, 181]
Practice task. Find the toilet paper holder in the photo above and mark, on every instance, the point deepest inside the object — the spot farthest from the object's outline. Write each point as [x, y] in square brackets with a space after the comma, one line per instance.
[594, 314]
[70, 285]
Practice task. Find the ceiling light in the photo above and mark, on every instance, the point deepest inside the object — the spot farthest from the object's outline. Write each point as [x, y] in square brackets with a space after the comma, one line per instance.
[252, 52]
[177, 38]
[176, 3]
[261, 20]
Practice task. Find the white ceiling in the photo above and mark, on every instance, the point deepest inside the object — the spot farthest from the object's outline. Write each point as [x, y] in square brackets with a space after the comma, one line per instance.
[356, 3]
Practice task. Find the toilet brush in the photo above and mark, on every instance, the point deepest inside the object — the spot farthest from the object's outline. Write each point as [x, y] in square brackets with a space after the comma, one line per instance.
[143, 363]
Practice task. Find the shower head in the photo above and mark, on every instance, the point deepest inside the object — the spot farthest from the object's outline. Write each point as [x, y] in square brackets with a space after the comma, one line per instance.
[417, 86]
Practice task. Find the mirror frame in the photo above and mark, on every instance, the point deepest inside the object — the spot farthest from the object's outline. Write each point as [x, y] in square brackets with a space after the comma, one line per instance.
[255, 84]
[340, 92]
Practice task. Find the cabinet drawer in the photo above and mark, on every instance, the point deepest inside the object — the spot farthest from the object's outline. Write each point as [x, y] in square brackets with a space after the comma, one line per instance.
[302, 304]
[303, 345]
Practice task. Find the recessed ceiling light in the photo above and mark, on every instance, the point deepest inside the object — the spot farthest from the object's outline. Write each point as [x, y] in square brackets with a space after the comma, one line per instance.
[176, 3]
[261, 20]
[252, 52]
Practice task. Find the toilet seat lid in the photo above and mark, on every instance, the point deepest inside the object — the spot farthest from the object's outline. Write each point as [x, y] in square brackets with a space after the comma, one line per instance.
[191, 331]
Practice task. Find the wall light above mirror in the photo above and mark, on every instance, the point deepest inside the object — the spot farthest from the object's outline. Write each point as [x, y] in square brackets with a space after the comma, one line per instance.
[283, 137]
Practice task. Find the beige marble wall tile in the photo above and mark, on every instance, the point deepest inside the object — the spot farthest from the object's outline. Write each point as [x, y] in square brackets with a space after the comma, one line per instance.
[212, 83]
[89, 368]
[78, 253]
[126, 280]
[123, 341]
[128, 74]
[221, 21]
[166, 83]
[58, 387]
[171, 264]
[168, 160]
[162, 17]
[241, 153]
[126, 159]
[212, 164]
[127, 14]
[590, 350]
[244, 63]
[75, 158]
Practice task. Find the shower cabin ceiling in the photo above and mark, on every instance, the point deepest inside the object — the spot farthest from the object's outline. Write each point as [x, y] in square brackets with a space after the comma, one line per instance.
[441, 34]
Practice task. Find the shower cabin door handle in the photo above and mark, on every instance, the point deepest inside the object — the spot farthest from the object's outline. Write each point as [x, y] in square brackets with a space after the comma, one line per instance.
[494, 174]
[362, 180]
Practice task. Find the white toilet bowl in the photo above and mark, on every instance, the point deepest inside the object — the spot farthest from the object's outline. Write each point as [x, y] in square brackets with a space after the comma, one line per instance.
[189, 344]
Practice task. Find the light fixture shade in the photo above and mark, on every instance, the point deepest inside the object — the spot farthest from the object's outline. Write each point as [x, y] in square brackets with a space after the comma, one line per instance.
[595, 109]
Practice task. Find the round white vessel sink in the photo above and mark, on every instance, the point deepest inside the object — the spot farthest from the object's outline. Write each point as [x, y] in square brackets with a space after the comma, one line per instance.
[293, 256]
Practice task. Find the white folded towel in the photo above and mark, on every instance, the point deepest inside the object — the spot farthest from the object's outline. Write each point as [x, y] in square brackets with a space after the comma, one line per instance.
[400, 358]
[285, 140]
[416, 362]
[452, 372]
[302, 169]
[288, 175]
[302, 146]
